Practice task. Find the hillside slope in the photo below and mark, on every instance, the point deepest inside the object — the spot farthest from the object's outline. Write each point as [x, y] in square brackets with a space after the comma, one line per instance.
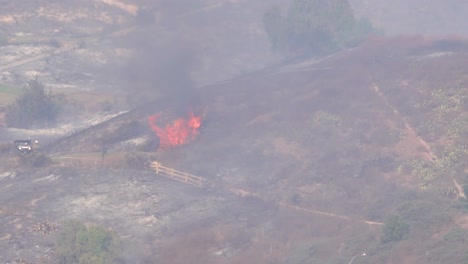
[331, 149]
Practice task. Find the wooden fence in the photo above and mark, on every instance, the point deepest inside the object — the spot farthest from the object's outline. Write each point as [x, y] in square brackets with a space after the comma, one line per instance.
[177, 175]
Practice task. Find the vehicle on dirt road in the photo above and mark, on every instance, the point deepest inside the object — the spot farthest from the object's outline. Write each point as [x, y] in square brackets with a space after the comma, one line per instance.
[25, 146]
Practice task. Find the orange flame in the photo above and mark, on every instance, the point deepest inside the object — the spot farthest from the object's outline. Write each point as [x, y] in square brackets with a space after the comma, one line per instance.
[179, 132]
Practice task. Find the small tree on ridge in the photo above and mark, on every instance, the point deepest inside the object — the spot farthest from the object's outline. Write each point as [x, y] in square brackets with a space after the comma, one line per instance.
[35, 107]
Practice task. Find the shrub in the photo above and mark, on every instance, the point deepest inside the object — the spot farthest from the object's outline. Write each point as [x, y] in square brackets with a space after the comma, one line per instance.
[324, 119]
[30, 160]
[395, 229]
[456, 234]
[451, 160]
[82, 244]
[35, 160]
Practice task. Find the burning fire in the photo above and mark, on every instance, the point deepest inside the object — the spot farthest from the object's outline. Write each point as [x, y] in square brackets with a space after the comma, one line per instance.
[179, 132]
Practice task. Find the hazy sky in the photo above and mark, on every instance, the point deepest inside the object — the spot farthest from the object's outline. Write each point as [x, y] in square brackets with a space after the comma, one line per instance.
[426, 17]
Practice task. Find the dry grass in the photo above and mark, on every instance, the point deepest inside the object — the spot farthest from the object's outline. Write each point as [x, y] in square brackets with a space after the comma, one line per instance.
[95, 101]
[8, 94]
[7, 99]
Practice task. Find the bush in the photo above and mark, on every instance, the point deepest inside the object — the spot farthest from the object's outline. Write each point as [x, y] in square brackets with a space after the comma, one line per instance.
[82, 244]
[395, 229]
[35, 107]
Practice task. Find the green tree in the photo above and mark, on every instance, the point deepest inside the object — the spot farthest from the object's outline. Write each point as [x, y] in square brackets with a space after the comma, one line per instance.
[395, 229]
[314, 27]
[82, 244]
[35, 107]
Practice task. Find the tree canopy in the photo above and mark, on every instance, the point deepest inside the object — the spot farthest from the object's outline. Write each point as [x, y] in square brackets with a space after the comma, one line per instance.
[314, 27]
[394, 229]
[35, 107]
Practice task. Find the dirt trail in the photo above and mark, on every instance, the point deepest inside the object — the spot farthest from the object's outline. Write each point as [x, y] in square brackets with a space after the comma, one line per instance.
[412, 138]
[66, 48]
[428, 154]
[459, 188]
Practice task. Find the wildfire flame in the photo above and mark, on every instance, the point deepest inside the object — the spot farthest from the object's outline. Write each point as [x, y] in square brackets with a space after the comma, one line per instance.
[179, 132]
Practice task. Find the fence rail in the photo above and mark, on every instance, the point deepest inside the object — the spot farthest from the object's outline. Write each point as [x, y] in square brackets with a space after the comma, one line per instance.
[177, 175]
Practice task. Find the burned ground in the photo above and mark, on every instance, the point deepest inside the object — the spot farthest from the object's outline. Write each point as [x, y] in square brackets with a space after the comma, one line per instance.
[317, 147]
[310, 140]
[344, 135]
[323, 148]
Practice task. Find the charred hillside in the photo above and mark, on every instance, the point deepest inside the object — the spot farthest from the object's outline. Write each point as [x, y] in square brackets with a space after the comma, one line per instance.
[331, 148]
[313, 160]
[346, 133]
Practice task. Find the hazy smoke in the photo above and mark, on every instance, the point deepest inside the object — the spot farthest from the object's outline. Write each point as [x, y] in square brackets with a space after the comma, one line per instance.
[159, 70]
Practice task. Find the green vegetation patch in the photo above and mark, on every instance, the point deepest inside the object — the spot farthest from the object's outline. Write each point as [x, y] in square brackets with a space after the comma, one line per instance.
[446, 100]
[78, 243]
[315, 27]
[324, 119]
[8, 89]
[442, 108]
[451, 160]
[8, 94]
[395, 229]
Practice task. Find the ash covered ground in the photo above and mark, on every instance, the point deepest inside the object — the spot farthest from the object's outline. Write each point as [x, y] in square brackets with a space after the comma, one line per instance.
[319, 147]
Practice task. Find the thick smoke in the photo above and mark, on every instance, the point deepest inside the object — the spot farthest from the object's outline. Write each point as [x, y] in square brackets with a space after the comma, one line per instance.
[159, 70]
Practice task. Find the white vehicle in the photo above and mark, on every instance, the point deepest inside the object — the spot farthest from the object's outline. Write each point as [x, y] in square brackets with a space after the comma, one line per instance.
[24, 146]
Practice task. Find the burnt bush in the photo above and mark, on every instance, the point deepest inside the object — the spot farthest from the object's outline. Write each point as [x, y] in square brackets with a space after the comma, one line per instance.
[34, 160]
[5, 149]
[136, 160]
